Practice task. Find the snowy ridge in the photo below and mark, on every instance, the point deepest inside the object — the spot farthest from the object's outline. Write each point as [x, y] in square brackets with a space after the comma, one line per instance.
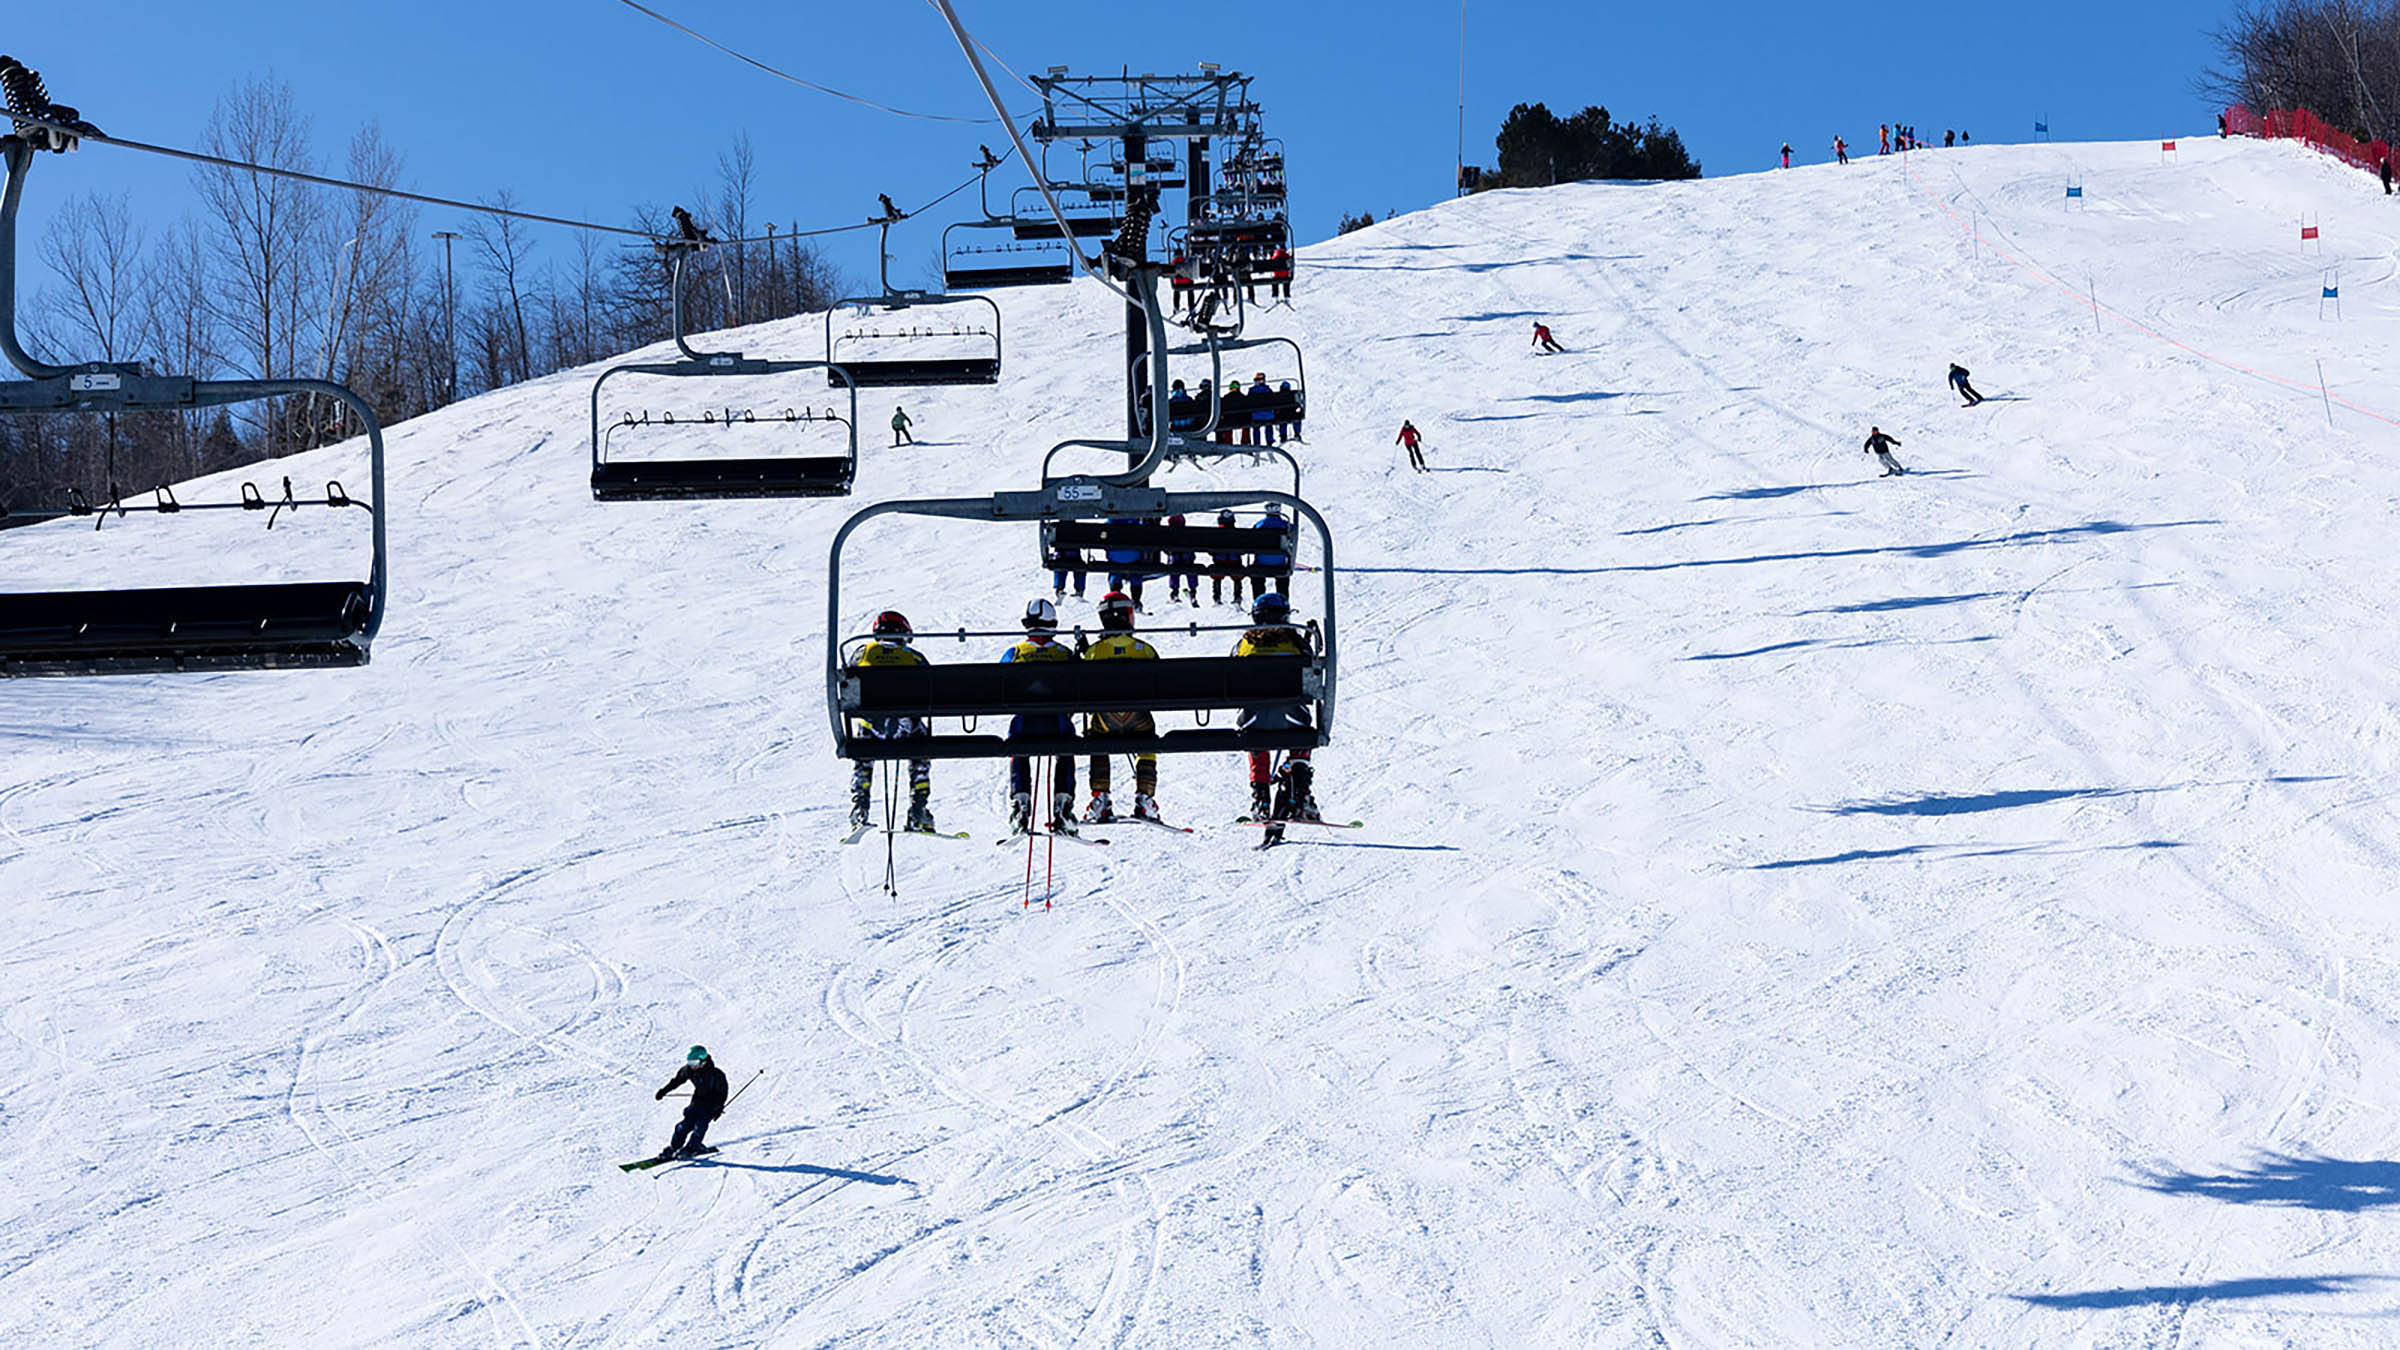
[1797, 908]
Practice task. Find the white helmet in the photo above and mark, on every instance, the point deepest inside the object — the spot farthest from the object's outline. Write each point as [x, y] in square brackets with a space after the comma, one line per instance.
[1040, 614]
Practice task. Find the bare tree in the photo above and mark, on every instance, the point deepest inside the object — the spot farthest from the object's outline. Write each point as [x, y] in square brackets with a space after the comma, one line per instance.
[268, 234]
[95, 248]
[737, 187]
[2340, 59]
[503, 242]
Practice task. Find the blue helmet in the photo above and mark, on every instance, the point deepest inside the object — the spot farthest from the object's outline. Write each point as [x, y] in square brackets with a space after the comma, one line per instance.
[1270, 607]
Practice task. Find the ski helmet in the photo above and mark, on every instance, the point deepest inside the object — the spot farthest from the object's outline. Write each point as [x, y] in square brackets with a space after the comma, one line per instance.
[1040, 614]
[1225, 517]
[1116, 610]
[1270, 607]
[1275, 509]
[1176, 521]
[892, 623]
[698, 1054]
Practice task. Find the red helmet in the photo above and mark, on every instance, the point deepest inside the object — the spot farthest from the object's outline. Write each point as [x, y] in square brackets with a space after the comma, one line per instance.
[892, 623]
[1116, 610]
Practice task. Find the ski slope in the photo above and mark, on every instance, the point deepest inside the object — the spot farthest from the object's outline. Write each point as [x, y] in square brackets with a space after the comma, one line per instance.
[1797, 907]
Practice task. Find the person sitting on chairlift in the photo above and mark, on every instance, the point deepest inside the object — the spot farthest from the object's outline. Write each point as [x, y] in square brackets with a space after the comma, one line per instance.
[1040, 644]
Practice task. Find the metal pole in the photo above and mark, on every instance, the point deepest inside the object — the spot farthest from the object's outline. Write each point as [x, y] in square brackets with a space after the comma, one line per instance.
[1137, 326]
[1458, 178]
[2321, 391]
[449, 316]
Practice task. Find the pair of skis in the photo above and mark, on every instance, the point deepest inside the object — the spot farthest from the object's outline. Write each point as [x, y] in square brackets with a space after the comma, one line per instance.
[863, 831]
[1274, 828]
[647, 1163]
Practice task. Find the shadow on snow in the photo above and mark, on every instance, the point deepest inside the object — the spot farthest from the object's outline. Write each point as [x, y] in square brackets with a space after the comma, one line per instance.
[2215, 1290]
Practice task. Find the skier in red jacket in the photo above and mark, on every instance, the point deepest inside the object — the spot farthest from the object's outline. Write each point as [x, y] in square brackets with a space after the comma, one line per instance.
[1542, 338]
[1410, 438]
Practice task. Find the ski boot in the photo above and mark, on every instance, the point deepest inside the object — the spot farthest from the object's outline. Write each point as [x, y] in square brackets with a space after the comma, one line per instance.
[858, 809]
[1101, 811]
[1145, 806]
[920, 817]
[1262, 805]
[1062, 813]
[1020, 813]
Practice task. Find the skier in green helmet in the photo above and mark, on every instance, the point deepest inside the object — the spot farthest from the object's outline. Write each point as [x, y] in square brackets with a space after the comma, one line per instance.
[708, 1102]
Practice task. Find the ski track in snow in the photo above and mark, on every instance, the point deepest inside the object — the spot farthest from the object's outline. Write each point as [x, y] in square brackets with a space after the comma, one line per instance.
[1796, 907]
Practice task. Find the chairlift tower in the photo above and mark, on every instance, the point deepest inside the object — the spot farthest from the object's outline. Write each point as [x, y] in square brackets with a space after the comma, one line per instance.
[1134, 110]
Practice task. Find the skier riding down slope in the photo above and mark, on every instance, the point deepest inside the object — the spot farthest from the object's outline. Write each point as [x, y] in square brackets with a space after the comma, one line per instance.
[900, 426]
[1880, 446]
[1040, 644]
[1411, 437]
[708, 1102]
[1117, 643]
[1542, 338]
[1958, 381]
[891, 648]
[1285, 796]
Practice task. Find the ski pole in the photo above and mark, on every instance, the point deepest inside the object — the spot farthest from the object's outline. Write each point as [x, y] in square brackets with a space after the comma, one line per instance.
[737, 1096]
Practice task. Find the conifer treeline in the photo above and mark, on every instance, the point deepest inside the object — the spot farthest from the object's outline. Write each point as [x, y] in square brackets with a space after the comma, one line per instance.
[1538, 148]
[279, 279]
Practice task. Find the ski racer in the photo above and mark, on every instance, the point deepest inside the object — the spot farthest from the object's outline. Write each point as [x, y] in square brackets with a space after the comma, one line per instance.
[891, 648]
[1040, 644]
[1117, 643]
[1285, 795]
[1880, 446]
[708, 1102]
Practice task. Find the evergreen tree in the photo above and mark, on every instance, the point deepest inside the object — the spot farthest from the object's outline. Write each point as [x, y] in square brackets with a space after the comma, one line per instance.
[1538, 150]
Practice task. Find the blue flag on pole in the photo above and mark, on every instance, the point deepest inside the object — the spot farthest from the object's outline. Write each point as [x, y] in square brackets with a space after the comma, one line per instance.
[2333, 292]
[2075, 192]
[2041, 128]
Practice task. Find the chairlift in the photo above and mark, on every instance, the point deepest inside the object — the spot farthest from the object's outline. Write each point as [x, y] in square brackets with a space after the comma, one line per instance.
[279, 625]
[978, 262]
[709, 478]
[1217, 411]
[983, 695]
[898, 320]
[1091, 218]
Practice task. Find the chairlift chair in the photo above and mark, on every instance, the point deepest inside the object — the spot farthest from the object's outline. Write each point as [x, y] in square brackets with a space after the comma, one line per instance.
[280, 625]
[1091, 218]
[1040, 258]
[1214, 409]
[869, 361]
[984, 695]
[718, 479]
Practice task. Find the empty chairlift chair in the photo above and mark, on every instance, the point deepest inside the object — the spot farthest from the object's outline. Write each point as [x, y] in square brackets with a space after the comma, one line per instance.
[983, 695]
[275, 625]
[912, 338]
[711, 477]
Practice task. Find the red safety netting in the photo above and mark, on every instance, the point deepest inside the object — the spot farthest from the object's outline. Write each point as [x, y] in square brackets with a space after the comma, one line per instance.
[2299, 124]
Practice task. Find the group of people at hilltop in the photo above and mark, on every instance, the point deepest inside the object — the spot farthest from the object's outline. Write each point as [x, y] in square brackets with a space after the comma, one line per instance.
[1889, 136]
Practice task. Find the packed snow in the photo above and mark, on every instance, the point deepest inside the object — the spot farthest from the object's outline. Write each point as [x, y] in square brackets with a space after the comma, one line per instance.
[1796, 906]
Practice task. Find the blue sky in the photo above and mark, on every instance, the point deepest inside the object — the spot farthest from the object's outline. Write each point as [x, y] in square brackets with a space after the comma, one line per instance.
[585, 106]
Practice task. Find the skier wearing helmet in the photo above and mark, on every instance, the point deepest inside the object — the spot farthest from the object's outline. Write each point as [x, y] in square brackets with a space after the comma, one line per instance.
[708, 1103]
[1041, 644]
[1287, 796]
[1182, 571]
[891, 648]
[1273, 533]
[1117, 643]
[1219, 561]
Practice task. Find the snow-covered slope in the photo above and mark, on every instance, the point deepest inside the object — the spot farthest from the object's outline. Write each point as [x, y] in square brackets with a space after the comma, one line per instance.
[1797, 907]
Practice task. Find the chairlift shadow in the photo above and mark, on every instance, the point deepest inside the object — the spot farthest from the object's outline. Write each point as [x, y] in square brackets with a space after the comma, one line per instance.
[2214, 1291]
[2291, 1181]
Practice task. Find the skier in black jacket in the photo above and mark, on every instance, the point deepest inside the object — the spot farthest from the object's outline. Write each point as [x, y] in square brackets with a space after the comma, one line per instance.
[708, 1102]
[1880, 446]
[1958, 381]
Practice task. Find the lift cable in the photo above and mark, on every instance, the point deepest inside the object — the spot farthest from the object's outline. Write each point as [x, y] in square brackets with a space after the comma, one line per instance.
[83, 131]
[805, 84]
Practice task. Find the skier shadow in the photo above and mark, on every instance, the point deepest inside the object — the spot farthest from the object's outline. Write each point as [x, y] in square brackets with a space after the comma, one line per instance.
[1758, 494]
[1390, 848]
[2290, 1181]
[1946, 804]
[1586, 396]
[2213, 1291]
[1466, 468]
[807, 1169]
